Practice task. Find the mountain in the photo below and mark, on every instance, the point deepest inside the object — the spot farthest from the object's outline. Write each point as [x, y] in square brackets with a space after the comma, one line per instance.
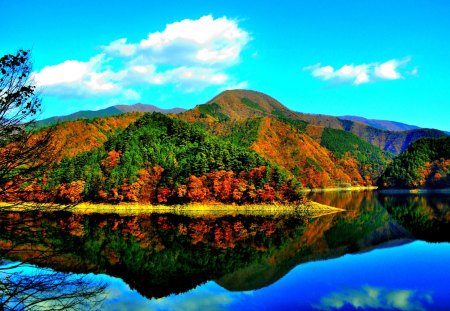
[74, 137]
[279, 135]
[106, 112]
[391, 141]
[240, 105]
[381, 124]
[241, 146]
[425, 164]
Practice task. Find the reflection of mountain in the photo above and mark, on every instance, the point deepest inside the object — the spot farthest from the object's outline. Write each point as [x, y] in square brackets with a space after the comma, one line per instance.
[161, 254]
[324, 238]
[426, 216]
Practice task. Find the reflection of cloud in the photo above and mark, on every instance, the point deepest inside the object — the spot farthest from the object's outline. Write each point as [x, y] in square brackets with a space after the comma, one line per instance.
[209, 296]
[377, 298]
[207, 301]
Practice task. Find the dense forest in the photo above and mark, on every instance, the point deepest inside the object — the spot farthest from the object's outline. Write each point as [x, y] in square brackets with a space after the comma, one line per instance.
[159, 159]
[425, 164]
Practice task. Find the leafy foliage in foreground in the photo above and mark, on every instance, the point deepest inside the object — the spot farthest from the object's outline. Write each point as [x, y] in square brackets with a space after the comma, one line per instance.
[425, 164]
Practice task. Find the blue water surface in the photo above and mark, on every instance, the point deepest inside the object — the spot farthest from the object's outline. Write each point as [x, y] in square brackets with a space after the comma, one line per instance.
[409, 277]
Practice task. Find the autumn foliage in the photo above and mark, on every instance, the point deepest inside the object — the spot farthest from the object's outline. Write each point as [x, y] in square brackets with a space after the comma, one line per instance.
[425, 164]
[162, 160]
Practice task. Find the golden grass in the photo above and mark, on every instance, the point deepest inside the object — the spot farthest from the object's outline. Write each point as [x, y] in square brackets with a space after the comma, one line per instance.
[310, 209]
[352, 188]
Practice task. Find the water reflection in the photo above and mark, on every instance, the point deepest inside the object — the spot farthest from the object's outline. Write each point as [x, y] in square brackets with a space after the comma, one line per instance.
[236, 257]
[25, 287]
[32, 283]
[427, 216]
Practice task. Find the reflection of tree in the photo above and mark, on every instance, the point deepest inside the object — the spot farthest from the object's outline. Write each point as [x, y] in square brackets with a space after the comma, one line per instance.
[24, 236]
[45, 289]
[25, 154]
[162, 254]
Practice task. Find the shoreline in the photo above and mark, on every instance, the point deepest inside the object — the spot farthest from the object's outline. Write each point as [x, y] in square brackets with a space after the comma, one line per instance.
[310, 209]
[413, 191]
[352, 188]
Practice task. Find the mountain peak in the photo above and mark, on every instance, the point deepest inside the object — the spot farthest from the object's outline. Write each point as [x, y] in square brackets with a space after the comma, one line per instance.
[240, 105]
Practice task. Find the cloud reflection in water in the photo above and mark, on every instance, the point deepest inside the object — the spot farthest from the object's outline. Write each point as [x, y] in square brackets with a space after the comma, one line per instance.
[376, 298]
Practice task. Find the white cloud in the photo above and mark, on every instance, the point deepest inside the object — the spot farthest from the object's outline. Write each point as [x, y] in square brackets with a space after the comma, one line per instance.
[205, 40]
[76, 78]
[190, 54]
[131, 95]
[235, 86]
[120, 47]
[369, 297]
[388, 70]
[68, 72]
[190, 78]
[359, 74]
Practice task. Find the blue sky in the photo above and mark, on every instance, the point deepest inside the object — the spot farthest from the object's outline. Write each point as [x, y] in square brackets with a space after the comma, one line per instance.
[377, 59]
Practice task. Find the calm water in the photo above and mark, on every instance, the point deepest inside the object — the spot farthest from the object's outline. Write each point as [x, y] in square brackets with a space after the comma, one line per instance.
[384, 252]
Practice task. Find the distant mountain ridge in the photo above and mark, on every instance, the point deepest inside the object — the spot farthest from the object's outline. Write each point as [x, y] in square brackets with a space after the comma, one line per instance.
[241, 105]
[107, 112]
[381, 124]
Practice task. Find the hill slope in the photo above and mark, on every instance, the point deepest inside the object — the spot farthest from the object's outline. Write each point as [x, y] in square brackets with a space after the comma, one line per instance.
[71, 138]
[425, 164]
[160, 159]
[261, 123]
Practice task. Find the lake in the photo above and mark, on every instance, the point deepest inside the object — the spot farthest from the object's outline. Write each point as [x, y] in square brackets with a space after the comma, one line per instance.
[386, 252]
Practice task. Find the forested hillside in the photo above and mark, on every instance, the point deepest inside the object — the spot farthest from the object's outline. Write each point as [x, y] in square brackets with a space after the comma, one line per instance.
[160, 159]
[242, 146]
[73, 137]
[316, 156]
[425, 164]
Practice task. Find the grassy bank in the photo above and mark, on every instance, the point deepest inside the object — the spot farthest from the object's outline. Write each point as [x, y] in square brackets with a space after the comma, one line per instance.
[310, 209]
[353, 188]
